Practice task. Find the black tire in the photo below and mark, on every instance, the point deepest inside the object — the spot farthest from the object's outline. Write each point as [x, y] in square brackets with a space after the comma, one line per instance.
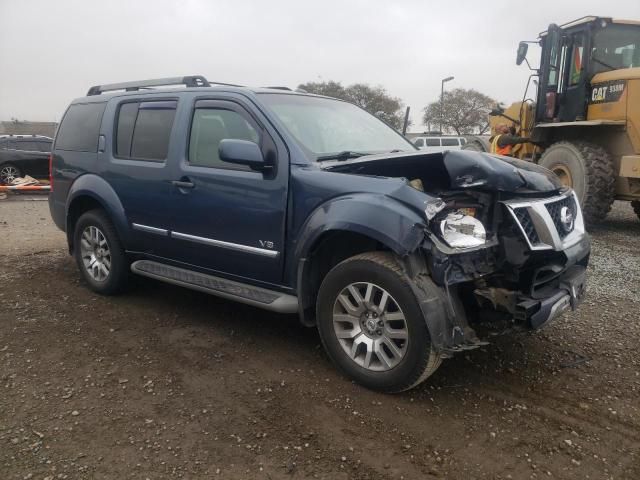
[8, 172]
[420, 359]
[117, 277]
[592, 175]
[636, 207]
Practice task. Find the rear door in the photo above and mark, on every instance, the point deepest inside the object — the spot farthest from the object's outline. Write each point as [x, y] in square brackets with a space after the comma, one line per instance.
[136, 146]
[230, 219]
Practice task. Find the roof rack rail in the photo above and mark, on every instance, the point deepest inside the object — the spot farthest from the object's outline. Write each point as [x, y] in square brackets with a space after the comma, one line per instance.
[188, 81]
[280, 88]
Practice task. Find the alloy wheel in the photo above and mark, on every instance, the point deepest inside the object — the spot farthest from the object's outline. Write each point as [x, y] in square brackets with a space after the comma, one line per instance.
[370, 326]
[8, 174]
[95, 252]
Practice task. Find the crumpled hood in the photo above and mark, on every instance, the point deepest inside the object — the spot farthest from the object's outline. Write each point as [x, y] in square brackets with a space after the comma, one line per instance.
[464, 169]
[468, 168]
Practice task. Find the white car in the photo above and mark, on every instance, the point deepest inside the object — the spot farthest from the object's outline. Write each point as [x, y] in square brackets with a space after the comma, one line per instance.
[439, 144]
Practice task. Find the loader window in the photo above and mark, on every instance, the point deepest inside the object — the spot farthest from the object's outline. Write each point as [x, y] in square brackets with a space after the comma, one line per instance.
[554, 58]
[615, 47]
[577, 53]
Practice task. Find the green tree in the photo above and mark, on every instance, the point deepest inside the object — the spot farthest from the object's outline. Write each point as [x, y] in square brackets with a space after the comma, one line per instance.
[463, 111]
[374, 99]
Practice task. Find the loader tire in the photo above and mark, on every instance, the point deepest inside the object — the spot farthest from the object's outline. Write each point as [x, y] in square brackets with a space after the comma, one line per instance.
[636, 207]
[588, 169]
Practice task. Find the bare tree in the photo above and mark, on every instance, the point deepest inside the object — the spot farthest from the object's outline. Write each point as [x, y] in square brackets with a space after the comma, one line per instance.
[374, 99]
[464, 111]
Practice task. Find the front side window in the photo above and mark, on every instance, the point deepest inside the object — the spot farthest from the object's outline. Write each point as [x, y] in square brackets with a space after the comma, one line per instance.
[212, 125]
[143, 130]
[325, 126]
[80, 126]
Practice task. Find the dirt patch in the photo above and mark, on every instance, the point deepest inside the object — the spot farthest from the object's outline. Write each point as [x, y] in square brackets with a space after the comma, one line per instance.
[167, 383]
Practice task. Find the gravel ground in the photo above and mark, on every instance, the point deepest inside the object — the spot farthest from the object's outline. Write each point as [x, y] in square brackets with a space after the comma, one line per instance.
[167, 383]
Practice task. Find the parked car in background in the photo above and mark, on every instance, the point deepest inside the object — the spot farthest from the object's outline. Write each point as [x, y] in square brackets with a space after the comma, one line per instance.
[439, 144]
[22, 155]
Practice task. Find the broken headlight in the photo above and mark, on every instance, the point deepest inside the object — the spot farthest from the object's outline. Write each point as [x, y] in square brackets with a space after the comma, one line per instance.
[462, 231]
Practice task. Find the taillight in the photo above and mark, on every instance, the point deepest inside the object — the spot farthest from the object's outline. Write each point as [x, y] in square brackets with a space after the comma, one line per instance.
[51, 172]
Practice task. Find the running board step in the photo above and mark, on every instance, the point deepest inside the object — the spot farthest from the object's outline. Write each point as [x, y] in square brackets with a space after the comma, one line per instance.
[221, 287]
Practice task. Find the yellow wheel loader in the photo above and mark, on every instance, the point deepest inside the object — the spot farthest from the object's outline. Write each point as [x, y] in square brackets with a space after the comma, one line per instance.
[585, 118]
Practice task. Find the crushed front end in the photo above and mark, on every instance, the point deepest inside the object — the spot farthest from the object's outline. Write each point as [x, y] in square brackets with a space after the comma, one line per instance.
[523, 264]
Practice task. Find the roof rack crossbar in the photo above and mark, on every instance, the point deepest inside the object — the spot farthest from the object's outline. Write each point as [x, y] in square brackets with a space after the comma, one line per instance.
[188, 81]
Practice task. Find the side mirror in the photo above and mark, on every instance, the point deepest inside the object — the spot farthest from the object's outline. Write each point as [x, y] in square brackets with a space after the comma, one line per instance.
[497, 111]
[523, 48]
[242, 152]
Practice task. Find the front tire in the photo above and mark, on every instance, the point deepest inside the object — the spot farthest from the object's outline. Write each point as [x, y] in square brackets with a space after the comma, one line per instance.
[371, 324]
[99, 254]
[636, 207]
[588, 169]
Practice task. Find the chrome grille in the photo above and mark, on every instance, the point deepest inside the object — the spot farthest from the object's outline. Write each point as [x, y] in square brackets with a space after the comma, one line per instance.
[540, 221]
[554, 210]
[524, 218]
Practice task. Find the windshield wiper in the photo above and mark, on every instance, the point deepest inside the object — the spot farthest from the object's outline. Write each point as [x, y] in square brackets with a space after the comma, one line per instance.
[344, 155]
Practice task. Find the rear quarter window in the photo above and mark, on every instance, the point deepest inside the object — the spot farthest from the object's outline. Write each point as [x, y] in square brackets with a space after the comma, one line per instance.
[80, 127]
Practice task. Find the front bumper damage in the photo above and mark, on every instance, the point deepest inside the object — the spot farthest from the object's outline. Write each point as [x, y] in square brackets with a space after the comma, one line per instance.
[523, 282]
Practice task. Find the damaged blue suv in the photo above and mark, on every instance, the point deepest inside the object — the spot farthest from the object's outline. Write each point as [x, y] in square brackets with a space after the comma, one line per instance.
[304, 204]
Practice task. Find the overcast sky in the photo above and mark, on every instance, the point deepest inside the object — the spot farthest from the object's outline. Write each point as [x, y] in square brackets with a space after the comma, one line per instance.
[53, 51]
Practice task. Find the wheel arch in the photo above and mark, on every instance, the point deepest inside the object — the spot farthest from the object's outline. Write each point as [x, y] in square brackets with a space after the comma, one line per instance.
[345, 227]
[90, 192]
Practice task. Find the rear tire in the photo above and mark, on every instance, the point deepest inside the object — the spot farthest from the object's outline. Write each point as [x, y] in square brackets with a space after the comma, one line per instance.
[9, 172]
[383, 344]
[99, 254]
[588, 169]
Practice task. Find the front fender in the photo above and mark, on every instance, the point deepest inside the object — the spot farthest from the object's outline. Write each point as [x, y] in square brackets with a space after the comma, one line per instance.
[96, 188]
[377, 216]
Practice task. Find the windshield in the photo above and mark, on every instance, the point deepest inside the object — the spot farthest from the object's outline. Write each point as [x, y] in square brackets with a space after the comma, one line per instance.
[324, 126]
[616, 47]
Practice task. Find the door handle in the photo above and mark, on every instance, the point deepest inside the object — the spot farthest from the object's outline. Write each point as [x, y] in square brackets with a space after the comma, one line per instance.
[182, 184]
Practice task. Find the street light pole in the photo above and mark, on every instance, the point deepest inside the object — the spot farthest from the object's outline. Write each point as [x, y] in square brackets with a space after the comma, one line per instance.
[448, 79]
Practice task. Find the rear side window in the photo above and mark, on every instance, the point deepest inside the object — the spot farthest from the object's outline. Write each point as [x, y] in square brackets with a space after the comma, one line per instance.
[43, 146]
[143, 130]
[28, 145]
[80, 126]
[450, 142]
[432, 142]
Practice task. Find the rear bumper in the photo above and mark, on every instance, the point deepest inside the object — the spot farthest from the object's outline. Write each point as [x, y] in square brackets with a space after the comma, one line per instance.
[57, 211]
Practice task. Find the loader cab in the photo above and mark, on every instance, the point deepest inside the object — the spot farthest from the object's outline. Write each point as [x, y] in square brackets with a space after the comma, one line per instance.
[572, 55]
